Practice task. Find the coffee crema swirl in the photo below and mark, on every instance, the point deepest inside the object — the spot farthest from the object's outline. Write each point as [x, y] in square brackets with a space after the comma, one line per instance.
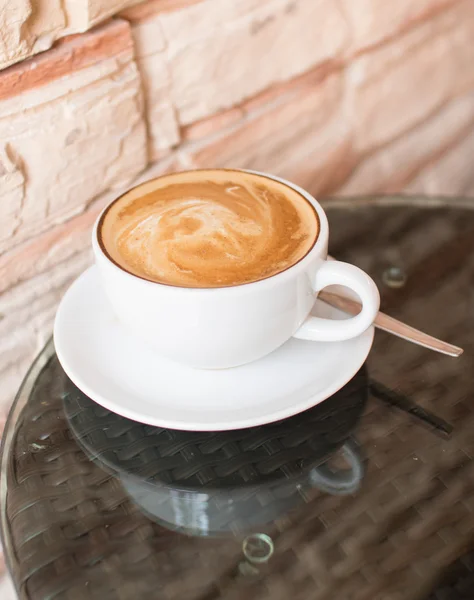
[209, 229]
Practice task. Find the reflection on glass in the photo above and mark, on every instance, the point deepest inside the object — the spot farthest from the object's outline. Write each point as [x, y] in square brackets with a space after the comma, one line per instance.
[213, 483]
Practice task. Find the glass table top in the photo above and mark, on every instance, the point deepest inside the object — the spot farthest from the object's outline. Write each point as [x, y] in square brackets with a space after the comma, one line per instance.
[369, 495]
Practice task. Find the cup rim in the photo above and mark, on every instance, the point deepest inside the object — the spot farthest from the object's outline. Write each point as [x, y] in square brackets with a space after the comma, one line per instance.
[318, 245]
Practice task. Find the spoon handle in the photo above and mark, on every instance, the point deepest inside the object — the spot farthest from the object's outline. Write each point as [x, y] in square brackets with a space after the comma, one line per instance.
[386, 323]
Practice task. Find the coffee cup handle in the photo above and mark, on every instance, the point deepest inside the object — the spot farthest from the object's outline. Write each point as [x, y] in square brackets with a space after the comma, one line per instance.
[331, 330]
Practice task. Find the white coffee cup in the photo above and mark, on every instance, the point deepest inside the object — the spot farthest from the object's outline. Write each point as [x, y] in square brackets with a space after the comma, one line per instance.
[213, 328]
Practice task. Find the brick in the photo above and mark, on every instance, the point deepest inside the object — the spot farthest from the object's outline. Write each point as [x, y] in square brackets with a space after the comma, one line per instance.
[67, 138]
[70, 55]
[212, 125]
[389, 169]
[62, 242]
[163, 128]
[302, 135]
[30, 27]
[275, 94]
[56, 245]
[145, 10]
[450, 175]
[23, 31]
[12, 183]
[277, 91]
[397, 86]
[273, 40]
[27, 316]
[94, 11]
[372, 21]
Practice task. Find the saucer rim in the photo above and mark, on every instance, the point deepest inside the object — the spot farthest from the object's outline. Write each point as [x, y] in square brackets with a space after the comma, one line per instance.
[183, 425]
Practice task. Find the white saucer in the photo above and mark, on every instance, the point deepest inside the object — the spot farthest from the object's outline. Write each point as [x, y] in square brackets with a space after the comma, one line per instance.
[124, 375]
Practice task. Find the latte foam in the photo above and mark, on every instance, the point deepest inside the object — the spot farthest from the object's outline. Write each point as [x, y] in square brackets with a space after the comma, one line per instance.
[212, 228]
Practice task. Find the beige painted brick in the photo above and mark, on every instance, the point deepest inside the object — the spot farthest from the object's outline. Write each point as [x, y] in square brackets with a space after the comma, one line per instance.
[451, 175]
[32, 26]
[220, 53]
[56, 245]
[12, 183]
[373, 21]
[275, 94]
[303, 135]
[144, 10]
[69, 137]
[65, 240]
[398, 85]
[212, 125]
[69, 56]
[163, 128]
[390, 168]
[26, 31]
[94, 11]
[28, 312]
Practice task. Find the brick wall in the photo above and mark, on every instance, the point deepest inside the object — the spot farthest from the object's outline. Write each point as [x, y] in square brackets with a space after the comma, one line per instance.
[341, 96]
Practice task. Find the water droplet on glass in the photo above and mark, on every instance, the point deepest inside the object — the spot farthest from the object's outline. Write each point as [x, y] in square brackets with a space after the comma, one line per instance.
[394, 277]
[257, 548]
